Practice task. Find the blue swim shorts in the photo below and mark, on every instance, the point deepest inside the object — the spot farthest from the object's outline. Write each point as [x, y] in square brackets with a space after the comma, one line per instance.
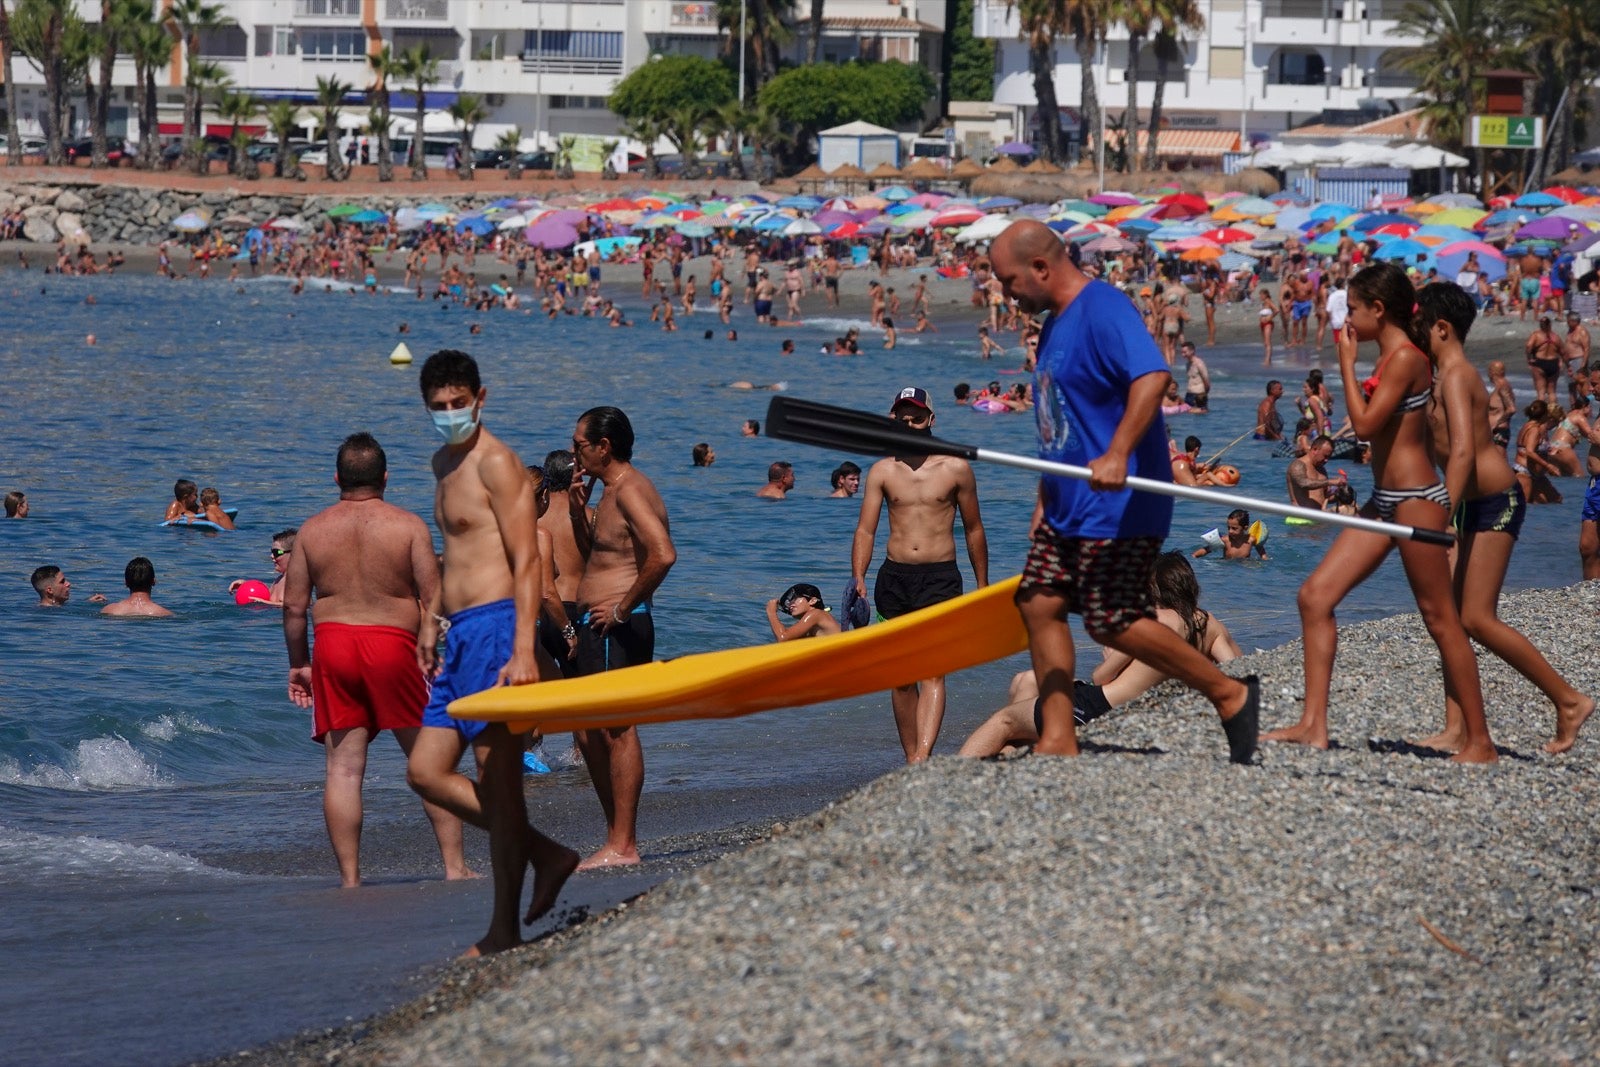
[1301, 309]
[1591, 501]
[476, 646]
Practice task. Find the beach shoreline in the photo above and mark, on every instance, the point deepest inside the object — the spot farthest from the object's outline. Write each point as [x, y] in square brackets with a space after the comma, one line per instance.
[1363, 904]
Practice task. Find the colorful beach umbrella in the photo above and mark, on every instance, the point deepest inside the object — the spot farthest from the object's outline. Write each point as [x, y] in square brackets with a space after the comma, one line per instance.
[1206, 253]
[956, 216]
[344, 211]
[369, 217]
[1226, 235]
[191, 221]
[551, 233]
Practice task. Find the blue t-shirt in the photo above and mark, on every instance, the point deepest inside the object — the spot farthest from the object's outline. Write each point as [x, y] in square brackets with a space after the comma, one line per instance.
[1089, 355]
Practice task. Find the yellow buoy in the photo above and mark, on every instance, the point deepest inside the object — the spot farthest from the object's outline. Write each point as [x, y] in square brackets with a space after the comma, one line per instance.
[401, 356]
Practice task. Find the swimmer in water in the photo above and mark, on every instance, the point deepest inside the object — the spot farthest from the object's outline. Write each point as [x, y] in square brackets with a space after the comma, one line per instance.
[211, 508]
[1236, 542]
[282, 548]
[140, 578]
[185, 503]
[804, 604]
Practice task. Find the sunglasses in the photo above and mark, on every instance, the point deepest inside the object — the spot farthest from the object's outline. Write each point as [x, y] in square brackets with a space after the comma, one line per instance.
[277, 552]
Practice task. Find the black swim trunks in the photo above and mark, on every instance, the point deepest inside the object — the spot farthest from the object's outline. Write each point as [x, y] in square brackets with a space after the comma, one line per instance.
[902, 588]
[626, 645]
[552, 641]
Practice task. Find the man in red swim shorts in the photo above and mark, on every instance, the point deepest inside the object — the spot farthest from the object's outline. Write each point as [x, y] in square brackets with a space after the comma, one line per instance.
[372, 566]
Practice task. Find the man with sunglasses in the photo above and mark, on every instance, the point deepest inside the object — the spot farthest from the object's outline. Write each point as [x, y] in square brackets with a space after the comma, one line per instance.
[924, 494]
[282, 547]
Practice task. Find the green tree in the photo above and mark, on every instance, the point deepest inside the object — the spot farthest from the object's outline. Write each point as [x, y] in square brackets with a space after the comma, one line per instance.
[1560, 41]
[385, 65]
[817, 97]
[1137, 17]
[664, 85]
[188, 19]
[727, 123]
[330, 99]
[1174, 19]
[419, 70]
[971, 58]
[39, 31]
[239, 109]
[510, 142]
[1086, 19]
[566, 144]
[608, 148]
[468, 110]
[768, 136]
[647, 131]
[1459, 43]
[13, 136]
[199, 77]
[684, 126]
[283, 119]
[151, 48]
[768, 25]
[1041, 22]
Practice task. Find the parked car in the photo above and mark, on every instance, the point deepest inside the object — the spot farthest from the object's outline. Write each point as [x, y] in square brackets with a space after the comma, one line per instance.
[116, 149]
[530, 161]
[31, 146]
[490, 158]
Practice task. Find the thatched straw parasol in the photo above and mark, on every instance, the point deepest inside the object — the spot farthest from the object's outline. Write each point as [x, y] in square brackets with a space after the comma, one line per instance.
[848, 172]
[1575, 176]
[813, 174]
[1254, 181]
[968, 169]
[923, 169]
[1004, 165]
[1041, 166]
[884, 170]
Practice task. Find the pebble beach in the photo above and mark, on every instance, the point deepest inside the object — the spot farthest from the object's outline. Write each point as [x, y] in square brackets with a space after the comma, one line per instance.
[1145, 903]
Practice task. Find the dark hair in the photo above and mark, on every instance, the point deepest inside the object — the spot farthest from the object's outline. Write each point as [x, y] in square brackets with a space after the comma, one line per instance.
[1314, 376]
[962, 390]
[843, 471]
[1241, 514]
[139, 575]
[14, 501]
[786, 599]
[612, 425]
[448, 367]
[287, 535]
[361, 463]
[1386, 283]
[1537, 411]
[888, 323]
[1175, 587]
[209, 495]
[754, 426]
[1321, 439]
[1191, 443]
[700, 452]
[1271, 383]
[558, 467]
[182, 488]
[1447, 301]
[776, 471]
[43, 576]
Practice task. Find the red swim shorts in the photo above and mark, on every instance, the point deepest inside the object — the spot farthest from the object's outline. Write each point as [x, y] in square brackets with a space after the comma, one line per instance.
[365, 676]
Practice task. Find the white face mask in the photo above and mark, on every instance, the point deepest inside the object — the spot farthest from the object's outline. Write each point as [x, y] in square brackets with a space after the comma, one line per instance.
[455, 425]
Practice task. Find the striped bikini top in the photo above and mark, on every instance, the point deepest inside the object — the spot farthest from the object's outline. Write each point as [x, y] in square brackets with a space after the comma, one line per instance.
[1413, 402]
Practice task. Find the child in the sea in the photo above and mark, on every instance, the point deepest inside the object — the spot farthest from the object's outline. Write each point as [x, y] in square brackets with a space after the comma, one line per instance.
[185, 504]
[211, 508]
[804, 604]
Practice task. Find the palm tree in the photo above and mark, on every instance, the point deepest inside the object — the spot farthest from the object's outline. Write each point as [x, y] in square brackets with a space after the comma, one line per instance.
[39, 30]
[13, 135]
[1561, 41]
[418, 67]
[647, 131]
[330, 98]
[767, 26]
[1137, 16]
[510, 142]
[766, 133]
[200, 75]
[467, 110]
[283, 119]
[151, 47]
[1175, 17]
[566, 144]
[729, 122]
[814, 42]
[1041, 21]
[188, 19]
[385, 65]
[1458, 44]
[1087, 21]
[608, 148]
[238, 109]
[682, 128]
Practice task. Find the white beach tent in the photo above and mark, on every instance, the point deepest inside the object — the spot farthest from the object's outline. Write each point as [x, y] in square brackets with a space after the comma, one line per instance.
[985, 229]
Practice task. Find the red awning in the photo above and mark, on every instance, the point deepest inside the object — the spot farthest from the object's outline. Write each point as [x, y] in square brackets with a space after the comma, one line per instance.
[215, 129]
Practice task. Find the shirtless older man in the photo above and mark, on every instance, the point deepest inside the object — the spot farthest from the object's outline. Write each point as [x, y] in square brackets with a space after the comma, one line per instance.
[490, 597]
[924, 494]
[628, 549]
[1307, 478]
[1575, 346]
[371, 566]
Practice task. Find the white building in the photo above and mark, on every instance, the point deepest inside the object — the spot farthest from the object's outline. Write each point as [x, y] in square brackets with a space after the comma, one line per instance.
[544, 65]
[1257, 69]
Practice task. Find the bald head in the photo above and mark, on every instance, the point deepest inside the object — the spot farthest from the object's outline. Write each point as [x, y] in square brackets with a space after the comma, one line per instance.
[1034, 268]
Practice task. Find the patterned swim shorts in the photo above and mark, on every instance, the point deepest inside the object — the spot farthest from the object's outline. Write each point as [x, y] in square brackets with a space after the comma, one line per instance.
[1106, 580]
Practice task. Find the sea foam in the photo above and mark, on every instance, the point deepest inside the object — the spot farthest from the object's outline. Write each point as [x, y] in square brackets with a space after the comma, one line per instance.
[101, 763]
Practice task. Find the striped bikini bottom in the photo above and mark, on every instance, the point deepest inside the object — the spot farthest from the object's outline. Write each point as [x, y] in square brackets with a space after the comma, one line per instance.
[1384, 501]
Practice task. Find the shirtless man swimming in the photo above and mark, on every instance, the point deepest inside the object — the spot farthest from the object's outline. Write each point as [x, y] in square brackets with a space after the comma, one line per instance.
[924, 494]
[371, 566]
[140, 578]
[1269, 423]
[484, 506]
[628, 551]
[1307, 478]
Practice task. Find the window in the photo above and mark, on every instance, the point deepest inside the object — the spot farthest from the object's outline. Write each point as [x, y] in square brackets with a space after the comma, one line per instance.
[573, 44]
[225, 42]
[333, 44]
[283, 41]
[1301, 68]
[1227, 63]
[577, 103]
[328, 8]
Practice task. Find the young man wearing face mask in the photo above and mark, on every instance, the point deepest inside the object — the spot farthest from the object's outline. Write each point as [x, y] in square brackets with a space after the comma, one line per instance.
[924, 494]
[487, 606]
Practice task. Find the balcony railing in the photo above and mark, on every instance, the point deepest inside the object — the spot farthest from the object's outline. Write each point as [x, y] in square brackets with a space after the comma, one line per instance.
[1301, 9]
[699, 15]
[327, 9]
[1392, 79]
[532, 64]
[416, 11]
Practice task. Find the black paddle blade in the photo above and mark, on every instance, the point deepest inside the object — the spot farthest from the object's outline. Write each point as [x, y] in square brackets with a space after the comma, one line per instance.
[848, 430]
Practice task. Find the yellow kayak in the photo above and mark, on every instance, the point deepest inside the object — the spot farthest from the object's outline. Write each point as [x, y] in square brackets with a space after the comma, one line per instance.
[960, 633]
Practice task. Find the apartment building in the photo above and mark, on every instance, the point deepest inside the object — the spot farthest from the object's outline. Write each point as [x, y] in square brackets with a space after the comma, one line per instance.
[546, 66]
[1257, 69]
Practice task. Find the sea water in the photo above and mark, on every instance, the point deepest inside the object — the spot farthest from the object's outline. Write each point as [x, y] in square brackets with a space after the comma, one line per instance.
[169, 891]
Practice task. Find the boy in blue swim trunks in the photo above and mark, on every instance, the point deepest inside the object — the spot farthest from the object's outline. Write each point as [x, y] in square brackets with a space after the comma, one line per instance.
[486, 609]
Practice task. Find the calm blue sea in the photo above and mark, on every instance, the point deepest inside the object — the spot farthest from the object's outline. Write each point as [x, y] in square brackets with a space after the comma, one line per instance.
[168, 888]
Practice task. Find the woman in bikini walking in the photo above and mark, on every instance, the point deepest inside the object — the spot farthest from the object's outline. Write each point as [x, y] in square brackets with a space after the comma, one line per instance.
[1390, 410]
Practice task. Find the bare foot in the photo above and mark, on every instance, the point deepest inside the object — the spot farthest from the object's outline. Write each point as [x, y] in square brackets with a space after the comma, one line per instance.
[1443, 741]
[549, 876]
[1299, 734]
[460, 874]
[610, 857]
[1064, 750]
[1568, 722]
[1484, 753]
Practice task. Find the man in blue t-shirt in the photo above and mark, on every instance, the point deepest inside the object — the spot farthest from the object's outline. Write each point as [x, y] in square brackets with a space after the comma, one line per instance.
[1097, 398]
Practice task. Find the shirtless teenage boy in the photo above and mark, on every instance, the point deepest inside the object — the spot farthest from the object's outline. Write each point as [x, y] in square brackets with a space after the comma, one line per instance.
[628, 551]
[140, 578]
[371, 566]
[924, 495]
[490, 597]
